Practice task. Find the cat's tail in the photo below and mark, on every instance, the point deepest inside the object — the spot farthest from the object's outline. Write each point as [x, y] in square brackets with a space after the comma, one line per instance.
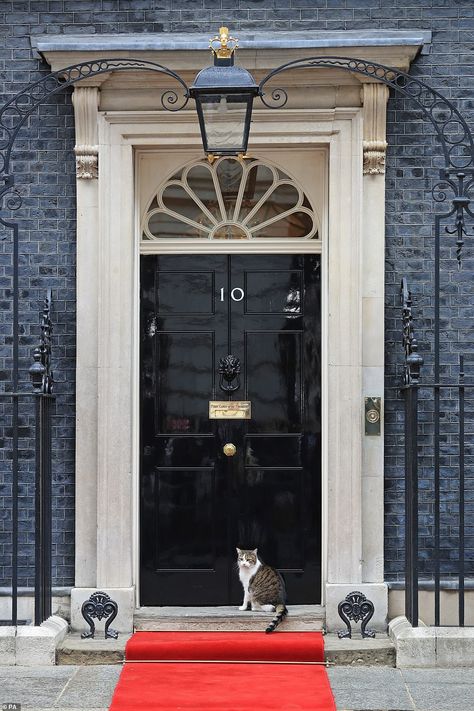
[281, 613]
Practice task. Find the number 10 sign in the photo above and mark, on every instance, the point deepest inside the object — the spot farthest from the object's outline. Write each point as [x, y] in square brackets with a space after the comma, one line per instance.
[237, 294]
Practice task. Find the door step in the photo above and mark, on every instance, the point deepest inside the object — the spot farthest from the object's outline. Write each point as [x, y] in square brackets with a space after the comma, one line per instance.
[341, 652]
[301, 618]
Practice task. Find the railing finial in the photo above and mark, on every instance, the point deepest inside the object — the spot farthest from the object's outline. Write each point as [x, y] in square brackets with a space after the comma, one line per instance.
[413, 360]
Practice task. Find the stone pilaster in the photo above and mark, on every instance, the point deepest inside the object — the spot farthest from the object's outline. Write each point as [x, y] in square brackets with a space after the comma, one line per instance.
[86, 102]
[374, 100]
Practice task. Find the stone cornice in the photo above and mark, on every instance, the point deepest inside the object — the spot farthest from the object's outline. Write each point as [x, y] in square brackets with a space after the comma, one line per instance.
[258, 52]
[307, 40]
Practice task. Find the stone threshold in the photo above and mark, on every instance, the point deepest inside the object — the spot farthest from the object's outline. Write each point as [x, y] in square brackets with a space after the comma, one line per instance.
[340, 652]
[300, 618]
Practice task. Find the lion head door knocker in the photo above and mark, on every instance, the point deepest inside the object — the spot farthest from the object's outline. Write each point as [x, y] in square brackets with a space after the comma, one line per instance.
[229, 370]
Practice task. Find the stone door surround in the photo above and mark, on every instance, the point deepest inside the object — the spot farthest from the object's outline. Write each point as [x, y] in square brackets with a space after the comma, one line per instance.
[118, 115]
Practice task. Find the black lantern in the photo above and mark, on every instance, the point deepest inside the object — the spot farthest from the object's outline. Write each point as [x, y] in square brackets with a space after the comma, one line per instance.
[224, 96]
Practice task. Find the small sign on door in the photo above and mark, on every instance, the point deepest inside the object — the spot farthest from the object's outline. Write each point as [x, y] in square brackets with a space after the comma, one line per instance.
[230, 410]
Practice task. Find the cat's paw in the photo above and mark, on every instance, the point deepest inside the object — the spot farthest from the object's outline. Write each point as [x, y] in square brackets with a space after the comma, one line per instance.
[243, 608]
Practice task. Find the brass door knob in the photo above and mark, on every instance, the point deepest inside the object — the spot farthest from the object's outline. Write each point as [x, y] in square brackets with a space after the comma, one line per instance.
[229, 449]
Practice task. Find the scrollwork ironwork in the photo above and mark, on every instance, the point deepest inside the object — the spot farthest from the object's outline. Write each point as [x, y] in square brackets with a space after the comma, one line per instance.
[358, 608]
[451, 128]
[452, 131]
[229, 370]
[278, 100]
[459, 187]
[14, 113]
[13, 199]
[169, 98]
[99, 606]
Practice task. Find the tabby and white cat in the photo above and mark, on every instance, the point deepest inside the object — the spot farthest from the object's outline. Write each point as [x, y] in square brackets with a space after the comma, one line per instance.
[264, 588]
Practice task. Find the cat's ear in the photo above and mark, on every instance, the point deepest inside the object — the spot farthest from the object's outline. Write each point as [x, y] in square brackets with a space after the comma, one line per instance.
[255, 551]
[238, 551]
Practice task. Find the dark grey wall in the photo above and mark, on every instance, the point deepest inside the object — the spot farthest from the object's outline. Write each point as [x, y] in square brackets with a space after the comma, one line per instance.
[44, 168]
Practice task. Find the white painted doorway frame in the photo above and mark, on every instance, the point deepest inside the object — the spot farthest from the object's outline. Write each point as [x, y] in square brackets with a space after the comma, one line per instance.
[108, 343]
[313, 181]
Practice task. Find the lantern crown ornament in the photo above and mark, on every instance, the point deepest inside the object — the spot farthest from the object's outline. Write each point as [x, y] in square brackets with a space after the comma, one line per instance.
[224, 95]
[227, 44]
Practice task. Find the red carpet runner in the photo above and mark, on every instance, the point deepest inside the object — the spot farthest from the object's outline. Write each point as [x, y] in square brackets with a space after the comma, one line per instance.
[224, 671]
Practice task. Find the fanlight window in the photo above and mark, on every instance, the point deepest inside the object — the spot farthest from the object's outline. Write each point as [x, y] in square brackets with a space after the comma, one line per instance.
[230, 199]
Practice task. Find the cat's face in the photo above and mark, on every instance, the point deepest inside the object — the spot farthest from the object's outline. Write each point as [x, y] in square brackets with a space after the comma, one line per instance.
[246, 559]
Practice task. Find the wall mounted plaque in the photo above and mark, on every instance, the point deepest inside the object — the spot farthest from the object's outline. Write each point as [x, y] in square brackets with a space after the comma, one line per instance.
[230, 410]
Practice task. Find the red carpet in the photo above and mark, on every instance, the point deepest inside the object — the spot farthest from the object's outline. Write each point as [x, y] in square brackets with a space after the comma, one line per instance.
[224, 671]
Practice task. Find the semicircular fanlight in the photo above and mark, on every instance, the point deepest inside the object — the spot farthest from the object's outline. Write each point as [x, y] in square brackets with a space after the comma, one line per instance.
[230, 199]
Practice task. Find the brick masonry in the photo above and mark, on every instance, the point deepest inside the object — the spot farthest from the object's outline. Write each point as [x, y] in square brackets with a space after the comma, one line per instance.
[44, 168]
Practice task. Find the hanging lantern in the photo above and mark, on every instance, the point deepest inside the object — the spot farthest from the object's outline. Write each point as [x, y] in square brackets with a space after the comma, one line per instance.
[224, 95]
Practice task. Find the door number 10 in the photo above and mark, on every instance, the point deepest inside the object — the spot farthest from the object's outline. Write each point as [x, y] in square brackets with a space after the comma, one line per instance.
[237, 294]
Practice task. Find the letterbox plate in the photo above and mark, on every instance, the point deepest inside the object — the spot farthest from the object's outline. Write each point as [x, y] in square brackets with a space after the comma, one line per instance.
[230, 410]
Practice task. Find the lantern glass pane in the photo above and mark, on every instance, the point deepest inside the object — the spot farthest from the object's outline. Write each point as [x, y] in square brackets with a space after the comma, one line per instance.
[225, 121]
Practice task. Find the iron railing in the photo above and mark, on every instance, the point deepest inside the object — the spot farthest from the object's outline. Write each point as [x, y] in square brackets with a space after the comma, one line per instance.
[435, 478]
[18, 407]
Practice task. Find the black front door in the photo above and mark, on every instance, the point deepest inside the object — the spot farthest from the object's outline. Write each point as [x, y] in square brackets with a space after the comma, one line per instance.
[197, 504]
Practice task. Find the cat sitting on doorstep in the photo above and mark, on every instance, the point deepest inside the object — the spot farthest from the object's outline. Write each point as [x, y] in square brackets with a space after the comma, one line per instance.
[264, 588]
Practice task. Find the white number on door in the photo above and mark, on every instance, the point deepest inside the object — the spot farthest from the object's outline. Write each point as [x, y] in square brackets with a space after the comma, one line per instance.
[234, 296]
[237, 294]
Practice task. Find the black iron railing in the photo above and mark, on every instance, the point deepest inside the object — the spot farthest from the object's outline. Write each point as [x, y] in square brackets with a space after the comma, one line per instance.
[437, 494]
[18, 407]
[413, 363]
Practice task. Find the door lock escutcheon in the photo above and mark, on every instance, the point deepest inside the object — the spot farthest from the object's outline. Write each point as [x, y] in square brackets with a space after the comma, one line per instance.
[229, 449]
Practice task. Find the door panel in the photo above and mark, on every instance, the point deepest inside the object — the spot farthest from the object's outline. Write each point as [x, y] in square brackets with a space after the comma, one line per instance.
[197, 505]
[182, 384]
[185, 499]
[273, 370]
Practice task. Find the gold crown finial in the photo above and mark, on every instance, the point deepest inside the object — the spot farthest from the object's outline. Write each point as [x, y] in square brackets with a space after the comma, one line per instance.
[227, 44]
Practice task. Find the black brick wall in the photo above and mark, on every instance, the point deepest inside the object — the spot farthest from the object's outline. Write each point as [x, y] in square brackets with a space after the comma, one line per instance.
[44, 167]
